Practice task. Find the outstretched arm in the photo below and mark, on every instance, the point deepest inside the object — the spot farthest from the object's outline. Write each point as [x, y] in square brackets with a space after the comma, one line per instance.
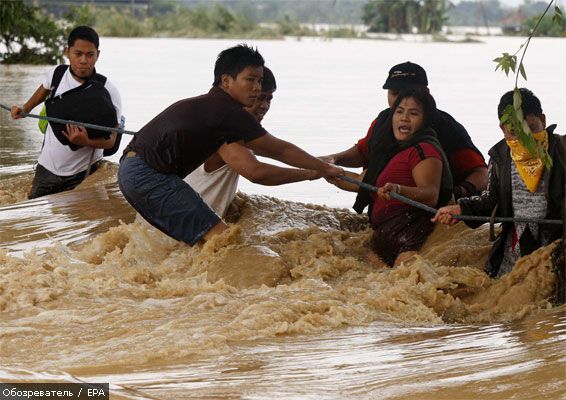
[37, 98]
[347, 158]
[246, 164]
[348, 186]
[286, 152]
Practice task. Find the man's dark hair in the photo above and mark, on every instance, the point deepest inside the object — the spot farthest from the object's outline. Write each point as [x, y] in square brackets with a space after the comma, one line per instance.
[530, 103]
[234, 60]
[84, 33]
[268, 84]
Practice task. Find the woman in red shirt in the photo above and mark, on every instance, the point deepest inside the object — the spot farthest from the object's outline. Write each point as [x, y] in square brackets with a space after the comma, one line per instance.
[406, 158]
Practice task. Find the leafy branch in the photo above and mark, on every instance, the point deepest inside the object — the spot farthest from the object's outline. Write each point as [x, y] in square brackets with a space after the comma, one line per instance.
[513, 116]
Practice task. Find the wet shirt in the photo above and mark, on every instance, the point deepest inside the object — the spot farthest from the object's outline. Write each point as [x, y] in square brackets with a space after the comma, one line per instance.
[399, 170]
[217, 188]
[185, 134]
[462, 155]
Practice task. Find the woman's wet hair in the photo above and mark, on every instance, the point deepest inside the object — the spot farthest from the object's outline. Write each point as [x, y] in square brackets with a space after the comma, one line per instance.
[84, 33]
[530, 104]
[234, 60]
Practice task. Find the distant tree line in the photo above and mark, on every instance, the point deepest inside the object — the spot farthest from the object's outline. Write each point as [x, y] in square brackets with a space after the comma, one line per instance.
[429, 16]
[425, 16]
[34, 31]
[308, 11]
[30, 35]
[490, 12]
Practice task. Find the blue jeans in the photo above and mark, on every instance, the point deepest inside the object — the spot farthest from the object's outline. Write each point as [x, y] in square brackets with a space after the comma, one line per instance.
[165, 201]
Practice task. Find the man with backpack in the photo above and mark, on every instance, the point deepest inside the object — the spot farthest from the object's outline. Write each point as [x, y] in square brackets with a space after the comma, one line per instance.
[74, 92]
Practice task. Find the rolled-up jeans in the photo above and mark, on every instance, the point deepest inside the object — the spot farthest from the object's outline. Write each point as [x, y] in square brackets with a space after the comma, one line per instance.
[165, 200]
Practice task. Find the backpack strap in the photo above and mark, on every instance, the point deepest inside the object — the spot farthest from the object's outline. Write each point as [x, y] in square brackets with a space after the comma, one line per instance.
[60, 71]
[55, 81]
[98, 78]
[57, 77]
[420, 151]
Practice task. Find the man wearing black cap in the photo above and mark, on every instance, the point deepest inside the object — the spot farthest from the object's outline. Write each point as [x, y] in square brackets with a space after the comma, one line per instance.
[468, 167]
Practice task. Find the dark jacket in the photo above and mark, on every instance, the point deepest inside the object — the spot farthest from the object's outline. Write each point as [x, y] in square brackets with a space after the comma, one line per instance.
[498, 197]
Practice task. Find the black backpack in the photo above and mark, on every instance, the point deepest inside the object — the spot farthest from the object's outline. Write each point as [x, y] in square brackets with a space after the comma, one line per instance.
[89, 103]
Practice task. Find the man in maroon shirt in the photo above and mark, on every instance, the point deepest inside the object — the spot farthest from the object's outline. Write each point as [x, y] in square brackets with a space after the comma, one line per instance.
[468, 167]
[184, 135]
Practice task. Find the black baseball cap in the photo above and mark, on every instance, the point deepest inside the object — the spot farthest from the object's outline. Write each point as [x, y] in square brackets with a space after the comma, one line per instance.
[405, 76]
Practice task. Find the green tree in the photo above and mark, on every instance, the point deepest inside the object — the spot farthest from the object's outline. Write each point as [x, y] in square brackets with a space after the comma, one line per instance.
[431, 16]
[110, 22]
[201, 21]
[547, 27]
[401, 16]
[389, 16]
[476, 13]
[83, 15]
[28, 37]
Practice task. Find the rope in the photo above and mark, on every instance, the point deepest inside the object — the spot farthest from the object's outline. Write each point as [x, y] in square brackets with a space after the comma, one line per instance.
[424, 207]
[70, 122]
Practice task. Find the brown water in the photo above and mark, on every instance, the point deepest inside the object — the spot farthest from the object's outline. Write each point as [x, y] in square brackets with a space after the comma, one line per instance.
[284, 305]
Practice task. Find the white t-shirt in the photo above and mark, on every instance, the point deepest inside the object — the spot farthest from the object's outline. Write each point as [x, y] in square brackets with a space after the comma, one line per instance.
[217, 188]
[58, 158]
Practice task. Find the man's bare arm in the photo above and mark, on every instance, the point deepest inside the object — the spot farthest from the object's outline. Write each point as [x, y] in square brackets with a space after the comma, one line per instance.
[290, 154]
[246, 164]
[348, 158]
[36, 98]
